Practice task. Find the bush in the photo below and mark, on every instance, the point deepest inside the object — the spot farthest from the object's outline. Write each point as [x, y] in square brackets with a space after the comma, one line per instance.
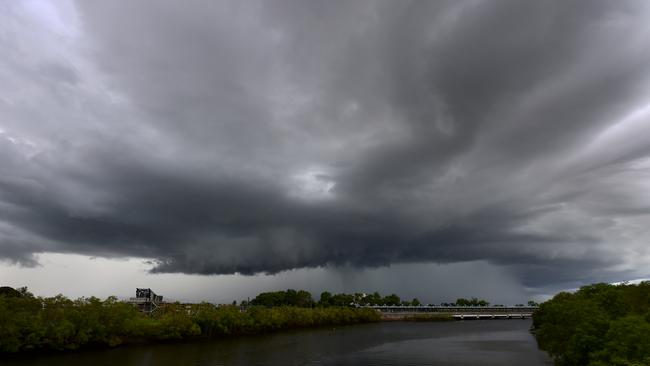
[600, 324]
[57, 323]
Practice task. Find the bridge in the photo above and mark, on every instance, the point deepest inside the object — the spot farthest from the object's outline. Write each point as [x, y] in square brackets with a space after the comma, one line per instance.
[457, 312]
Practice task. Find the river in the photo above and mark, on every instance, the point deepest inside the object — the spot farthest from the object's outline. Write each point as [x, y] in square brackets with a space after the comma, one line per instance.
[470, 342]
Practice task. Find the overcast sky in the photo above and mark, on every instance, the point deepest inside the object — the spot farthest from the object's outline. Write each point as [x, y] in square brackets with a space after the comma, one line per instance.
[214, 149]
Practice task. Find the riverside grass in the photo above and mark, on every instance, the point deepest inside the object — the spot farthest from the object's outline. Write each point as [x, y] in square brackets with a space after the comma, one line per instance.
[34, 324]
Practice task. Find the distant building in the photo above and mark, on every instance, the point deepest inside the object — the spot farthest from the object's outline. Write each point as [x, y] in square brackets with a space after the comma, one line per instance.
[146, 300]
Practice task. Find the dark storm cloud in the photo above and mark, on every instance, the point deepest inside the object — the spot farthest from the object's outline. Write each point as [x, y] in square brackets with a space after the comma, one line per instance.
[225, 137]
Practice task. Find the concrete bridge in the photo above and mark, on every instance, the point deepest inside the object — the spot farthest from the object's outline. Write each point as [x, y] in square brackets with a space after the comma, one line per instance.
[457, 312]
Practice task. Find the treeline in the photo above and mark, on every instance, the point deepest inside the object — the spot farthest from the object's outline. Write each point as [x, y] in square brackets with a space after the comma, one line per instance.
[304, 299]
[471, 302]
[599, 325]
[29, 323]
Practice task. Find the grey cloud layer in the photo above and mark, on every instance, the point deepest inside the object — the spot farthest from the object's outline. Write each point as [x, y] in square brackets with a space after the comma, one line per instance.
[225, 137]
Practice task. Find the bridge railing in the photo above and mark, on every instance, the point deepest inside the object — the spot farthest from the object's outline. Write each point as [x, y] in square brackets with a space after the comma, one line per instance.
[452, 309]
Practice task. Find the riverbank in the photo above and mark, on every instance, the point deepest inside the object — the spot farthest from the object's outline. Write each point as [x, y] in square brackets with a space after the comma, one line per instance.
[31, 324]
[477, 342]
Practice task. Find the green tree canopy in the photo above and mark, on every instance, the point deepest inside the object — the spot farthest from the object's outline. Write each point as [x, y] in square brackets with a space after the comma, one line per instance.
[7, 291]
[598, 325]
[289, 297]
[29, 323]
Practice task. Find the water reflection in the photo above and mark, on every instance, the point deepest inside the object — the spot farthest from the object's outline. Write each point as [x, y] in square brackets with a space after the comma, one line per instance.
[475, 342]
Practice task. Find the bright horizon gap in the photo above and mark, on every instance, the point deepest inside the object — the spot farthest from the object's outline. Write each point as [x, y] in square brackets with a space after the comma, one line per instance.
[120, 276]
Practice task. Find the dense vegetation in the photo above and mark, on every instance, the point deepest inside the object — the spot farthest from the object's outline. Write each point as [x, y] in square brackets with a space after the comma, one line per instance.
[598, 325]
[471, 302]
[29, 323]
[304, 299]
[284, 298]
